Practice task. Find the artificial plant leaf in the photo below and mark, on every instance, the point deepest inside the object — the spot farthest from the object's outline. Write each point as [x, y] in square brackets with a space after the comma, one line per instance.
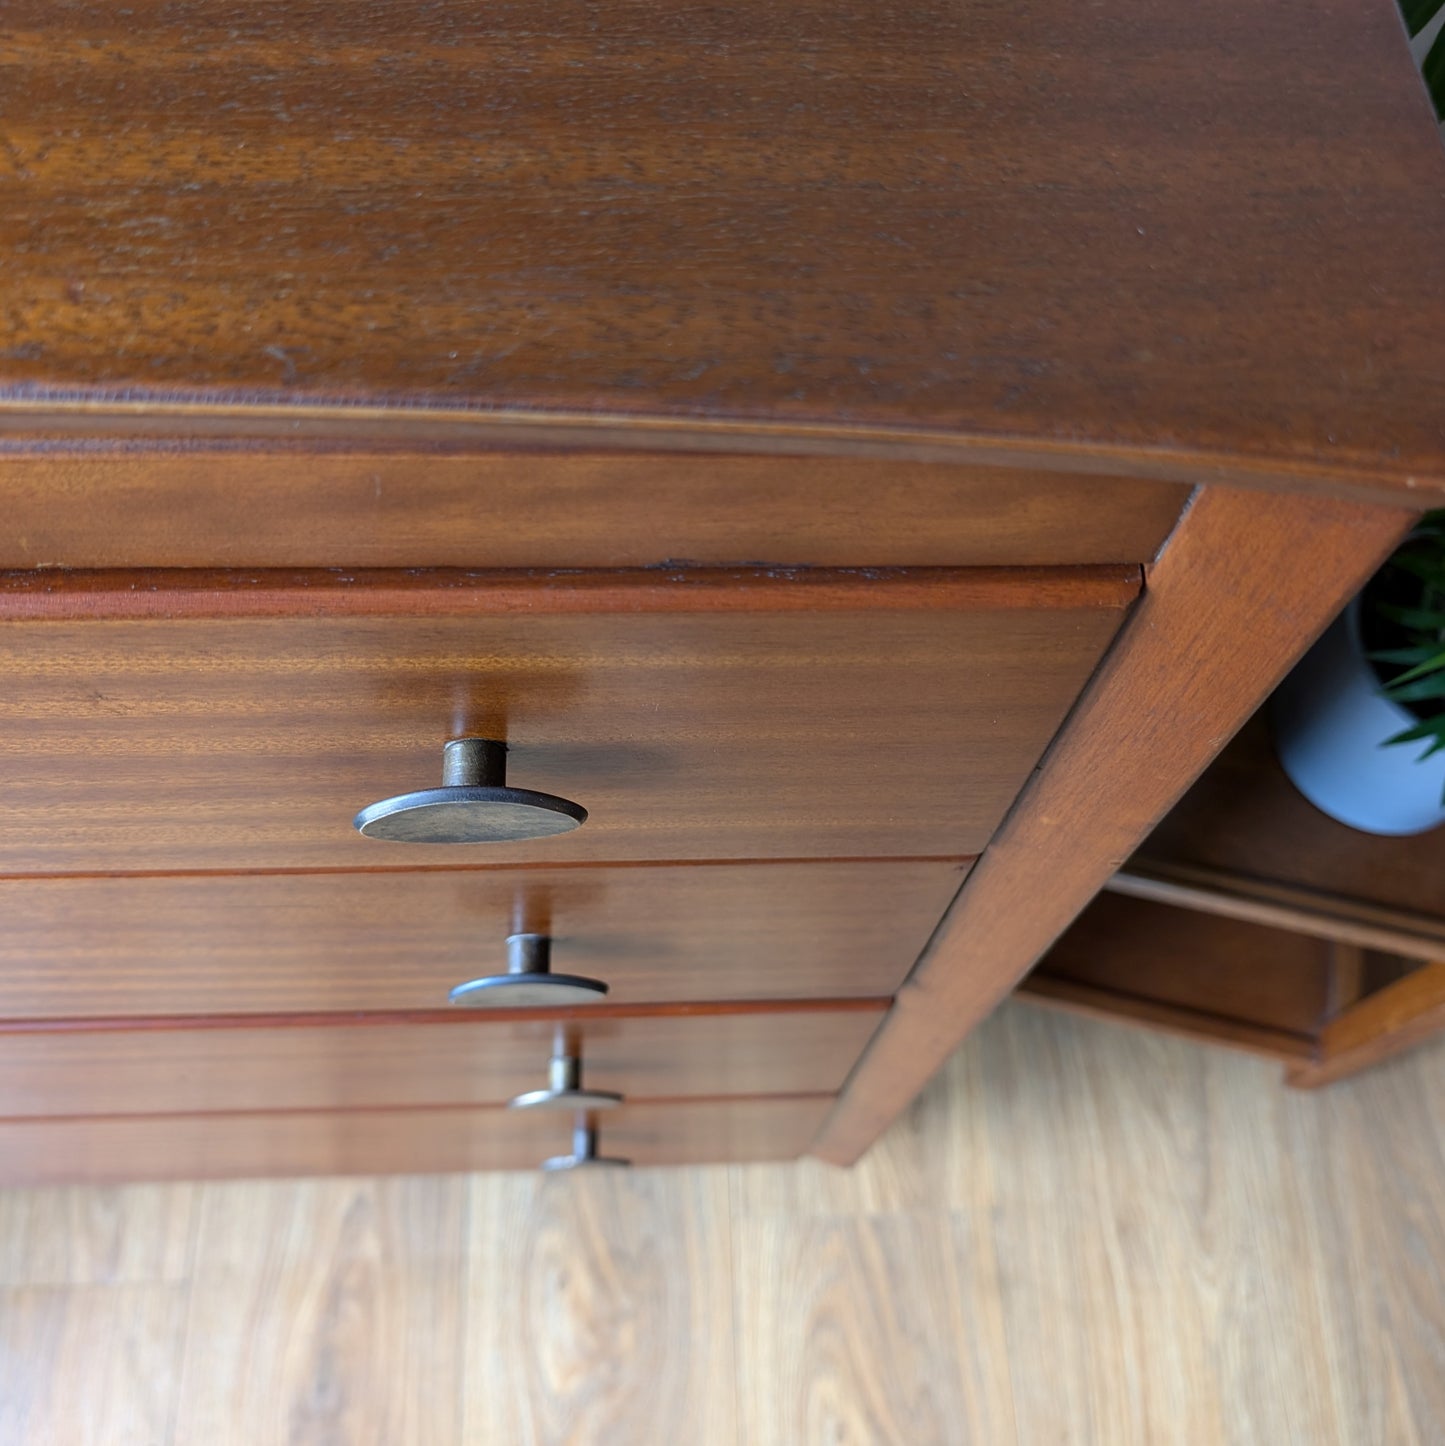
[1431, 665]
[1409, 656]
[1433, 69]
[1420, 619]
[1429, 567]
[1419, 691]
[1419, 13]
[1430, 728]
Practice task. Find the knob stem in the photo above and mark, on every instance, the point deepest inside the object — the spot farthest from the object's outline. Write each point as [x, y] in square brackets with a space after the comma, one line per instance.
[529, 954]
[584, 1141]
[565, 1089]
[584, 1154]
[529, 981]
[474, 763]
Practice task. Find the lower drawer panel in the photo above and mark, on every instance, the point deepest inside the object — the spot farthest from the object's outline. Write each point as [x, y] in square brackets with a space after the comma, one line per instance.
[287, 944]
[451, 1060]
[383, 1142]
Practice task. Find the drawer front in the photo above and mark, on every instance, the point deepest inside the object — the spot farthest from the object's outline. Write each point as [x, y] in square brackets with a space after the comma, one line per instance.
[712, 718]
[304, 943]
[381, 1142]
[196, 508]
[456, 1060]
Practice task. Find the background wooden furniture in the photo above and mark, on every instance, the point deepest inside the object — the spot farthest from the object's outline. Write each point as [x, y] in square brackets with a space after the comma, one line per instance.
[1249, 918]
[794, 433]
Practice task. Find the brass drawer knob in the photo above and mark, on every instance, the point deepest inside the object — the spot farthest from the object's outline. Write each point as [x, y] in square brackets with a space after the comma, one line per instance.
[584, 1154]
[529, 980]
[564, 1090]
[473, 805]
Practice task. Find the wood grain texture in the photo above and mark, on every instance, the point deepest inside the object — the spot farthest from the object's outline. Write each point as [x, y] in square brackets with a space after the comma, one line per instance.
[845, 217]
[1244, 586]
[109, 1353]
[1397, 1018]
[288, 943]
[370, 1275]
[618, 1323]
[463, 1061]
[738, 730]
[1269, 977]
[87, 1235]
[106, 1150]
[1152, 1242]
[204, 507]
[867, 1294]
[1245, 818]
[1079, 1233]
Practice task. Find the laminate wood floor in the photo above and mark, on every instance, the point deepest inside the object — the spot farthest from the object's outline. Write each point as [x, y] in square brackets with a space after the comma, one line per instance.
[1080, 1234]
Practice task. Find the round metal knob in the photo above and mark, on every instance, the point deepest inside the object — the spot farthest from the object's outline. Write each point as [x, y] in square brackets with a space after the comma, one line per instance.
[529, 980]
[473, 805]
[564, 1090]
[584, 1154]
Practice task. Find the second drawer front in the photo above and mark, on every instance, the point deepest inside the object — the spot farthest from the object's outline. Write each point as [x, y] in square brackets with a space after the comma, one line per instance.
[352, 1065]
[317, 943]
[740, 717]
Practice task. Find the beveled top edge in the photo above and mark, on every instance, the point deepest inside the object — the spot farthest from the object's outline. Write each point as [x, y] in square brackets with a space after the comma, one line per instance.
[34, 422]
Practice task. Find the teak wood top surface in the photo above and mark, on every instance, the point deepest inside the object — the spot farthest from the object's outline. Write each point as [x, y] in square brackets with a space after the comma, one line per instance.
[1196, 243]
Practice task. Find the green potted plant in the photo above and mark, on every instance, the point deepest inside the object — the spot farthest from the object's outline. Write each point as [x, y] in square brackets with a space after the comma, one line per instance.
[1427, 41]
[1360, 724]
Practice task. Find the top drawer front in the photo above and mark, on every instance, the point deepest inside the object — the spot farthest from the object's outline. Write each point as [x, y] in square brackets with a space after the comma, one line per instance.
[239, 509]
[699, 716]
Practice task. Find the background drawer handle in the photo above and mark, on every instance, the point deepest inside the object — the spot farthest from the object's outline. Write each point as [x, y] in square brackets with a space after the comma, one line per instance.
[473, 805]
[584, 1154]
[529, 980]
[564, 1090]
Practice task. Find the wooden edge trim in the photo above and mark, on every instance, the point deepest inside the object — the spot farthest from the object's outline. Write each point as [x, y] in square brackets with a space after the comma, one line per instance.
[961, 862]
[1196, 1024]
[60, 595]
[1245, 584]
[441, 1107]
[1282, 906]
[1383, 1024]
[456, 1015]
[34, 422]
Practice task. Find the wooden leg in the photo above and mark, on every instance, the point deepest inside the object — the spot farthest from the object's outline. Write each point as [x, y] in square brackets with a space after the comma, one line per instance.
[1347, 978]
[1383, 1024]
[1245, 584]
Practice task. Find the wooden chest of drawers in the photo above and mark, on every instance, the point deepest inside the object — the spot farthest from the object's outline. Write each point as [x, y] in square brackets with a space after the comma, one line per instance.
[871, 495]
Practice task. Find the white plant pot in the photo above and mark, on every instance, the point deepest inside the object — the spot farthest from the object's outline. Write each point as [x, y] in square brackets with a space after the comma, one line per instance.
[1331, 721]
